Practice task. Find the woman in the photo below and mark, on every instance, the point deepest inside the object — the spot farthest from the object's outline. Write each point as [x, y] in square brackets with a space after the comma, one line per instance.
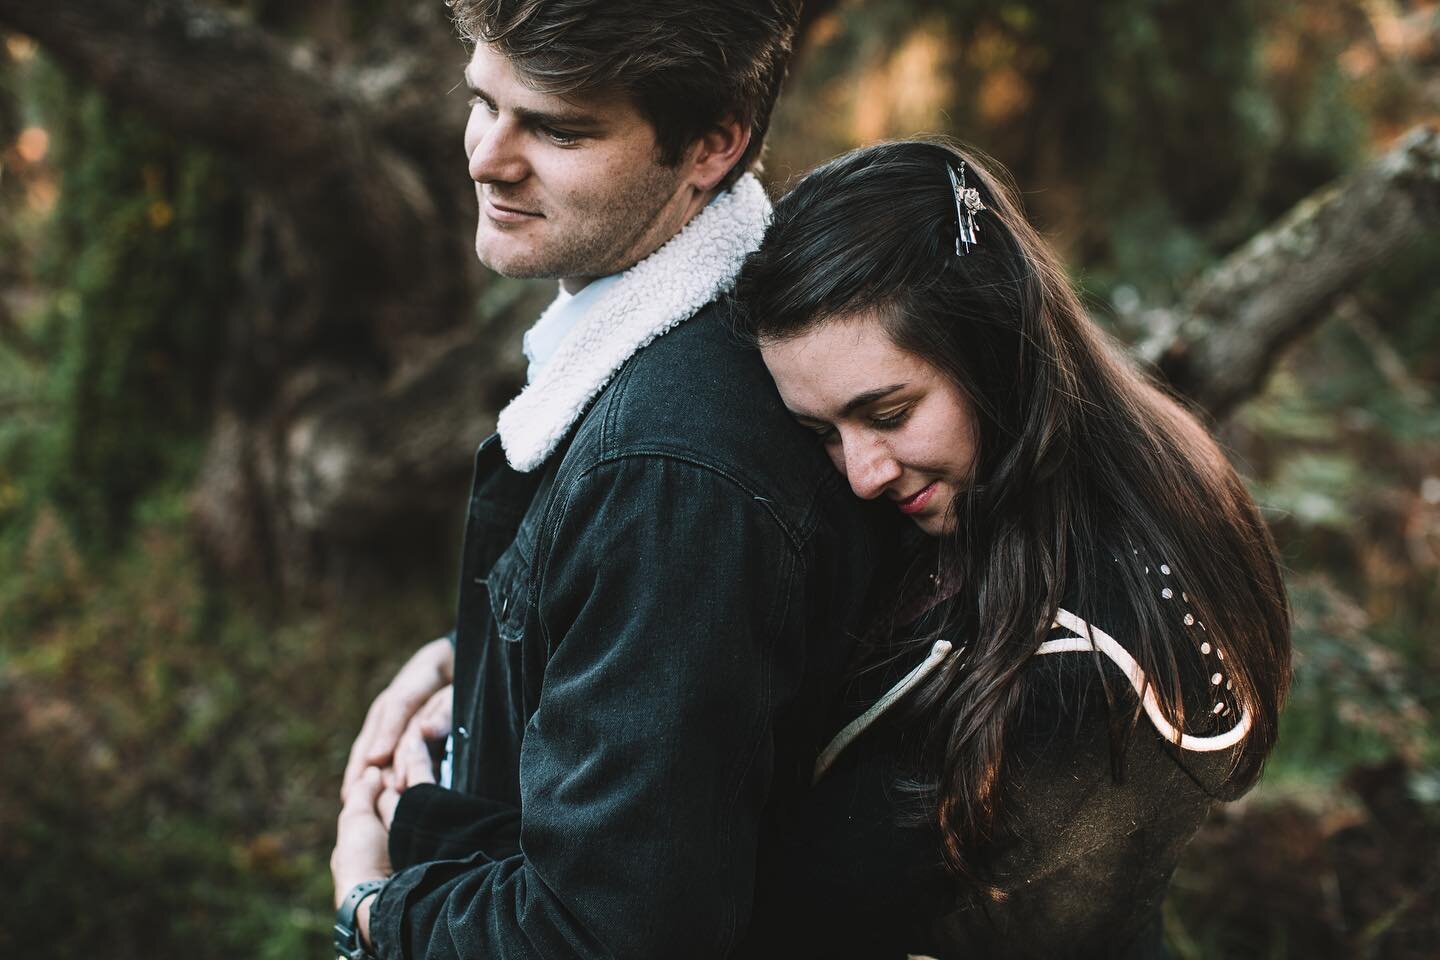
[1091, 641]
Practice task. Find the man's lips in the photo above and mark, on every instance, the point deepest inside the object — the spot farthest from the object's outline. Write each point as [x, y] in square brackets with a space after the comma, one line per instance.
[505, 213]
[917, 501]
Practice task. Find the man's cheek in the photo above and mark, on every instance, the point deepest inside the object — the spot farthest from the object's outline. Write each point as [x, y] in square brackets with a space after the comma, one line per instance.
[474, 130]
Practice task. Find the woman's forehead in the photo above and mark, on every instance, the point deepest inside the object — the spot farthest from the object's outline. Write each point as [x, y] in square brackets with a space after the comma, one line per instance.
[821, 372]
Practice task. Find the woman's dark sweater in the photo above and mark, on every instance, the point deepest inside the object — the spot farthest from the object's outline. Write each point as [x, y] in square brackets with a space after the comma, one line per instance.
[1083, 861]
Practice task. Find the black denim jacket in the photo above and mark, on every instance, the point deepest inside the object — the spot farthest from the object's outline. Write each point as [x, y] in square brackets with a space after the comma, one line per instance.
[651, 628]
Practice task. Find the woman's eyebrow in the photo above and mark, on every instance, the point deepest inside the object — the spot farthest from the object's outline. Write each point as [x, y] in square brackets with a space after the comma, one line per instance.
[851, 405]
[869, 397]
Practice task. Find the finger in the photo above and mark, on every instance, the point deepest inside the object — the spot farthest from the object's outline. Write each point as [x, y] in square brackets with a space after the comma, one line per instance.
[426, 672]
[435, 716]
[429, 669]
[385, 805]
[421, 772]
[400, 709]
[431, 721]
[355, 764]
[363, 793]
[412, 759]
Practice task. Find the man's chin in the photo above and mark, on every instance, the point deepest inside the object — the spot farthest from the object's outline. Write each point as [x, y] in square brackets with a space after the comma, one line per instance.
[509, 263]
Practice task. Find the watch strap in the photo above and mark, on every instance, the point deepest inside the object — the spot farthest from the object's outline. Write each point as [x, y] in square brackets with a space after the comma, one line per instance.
[348, 944]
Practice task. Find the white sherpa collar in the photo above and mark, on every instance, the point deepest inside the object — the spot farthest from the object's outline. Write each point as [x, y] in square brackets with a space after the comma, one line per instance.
[672, 284]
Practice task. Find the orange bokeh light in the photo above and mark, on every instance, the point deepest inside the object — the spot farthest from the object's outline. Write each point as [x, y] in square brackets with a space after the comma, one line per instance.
[33, 144]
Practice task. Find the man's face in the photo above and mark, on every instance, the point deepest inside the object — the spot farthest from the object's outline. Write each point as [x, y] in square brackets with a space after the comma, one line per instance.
[568, 187]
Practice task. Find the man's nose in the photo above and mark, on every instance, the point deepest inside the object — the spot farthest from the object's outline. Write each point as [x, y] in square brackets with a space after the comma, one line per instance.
[497, 156]
[870, 468]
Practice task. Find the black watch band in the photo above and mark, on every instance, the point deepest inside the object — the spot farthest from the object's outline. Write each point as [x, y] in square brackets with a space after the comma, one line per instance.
[348, 944]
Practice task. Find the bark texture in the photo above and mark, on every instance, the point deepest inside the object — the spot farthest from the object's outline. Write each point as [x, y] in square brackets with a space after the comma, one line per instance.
[1218, 345]
[358, 283]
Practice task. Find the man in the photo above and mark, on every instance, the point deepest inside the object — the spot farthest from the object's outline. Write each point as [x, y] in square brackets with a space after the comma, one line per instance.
[660, 569]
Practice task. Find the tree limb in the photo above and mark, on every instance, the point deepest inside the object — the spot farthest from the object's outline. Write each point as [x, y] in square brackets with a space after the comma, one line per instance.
[1220, 343]
[203, 74]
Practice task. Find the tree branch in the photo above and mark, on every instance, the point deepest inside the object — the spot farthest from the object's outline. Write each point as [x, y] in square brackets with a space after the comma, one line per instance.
[1220, 343]
[203, 74]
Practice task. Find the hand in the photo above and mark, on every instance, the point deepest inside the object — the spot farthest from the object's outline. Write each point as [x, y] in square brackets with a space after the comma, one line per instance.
[385, 806]
[361, 838]
[429, 670]
[415, 753]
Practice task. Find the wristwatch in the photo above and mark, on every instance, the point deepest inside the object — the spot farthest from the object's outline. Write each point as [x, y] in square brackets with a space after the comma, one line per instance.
[348, 944]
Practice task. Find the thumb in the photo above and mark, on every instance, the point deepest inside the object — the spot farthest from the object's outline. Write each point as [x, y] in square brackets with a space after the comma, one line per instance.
[363, 792]
[387, 732]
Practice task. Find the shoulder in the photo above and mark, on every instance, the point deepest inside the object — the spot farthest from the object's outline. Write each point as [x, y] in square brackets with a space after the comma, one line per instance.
[700, 396]
[700, 393]
[1109, 658]
[1129, 635]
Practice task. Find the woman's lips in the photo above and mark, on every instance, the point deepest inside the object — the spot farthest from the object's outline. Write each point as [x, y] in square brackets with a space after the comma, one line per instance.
[917, 502]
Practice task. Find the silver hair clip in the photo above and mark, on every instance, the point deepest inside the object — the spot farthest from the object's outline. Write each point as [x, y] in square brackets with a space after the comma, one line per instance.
[967, 204]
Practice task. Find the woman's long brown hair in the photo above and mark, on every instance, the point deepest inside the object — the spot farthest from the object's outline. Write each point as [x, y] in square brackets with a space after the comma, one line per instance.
[1082, 460]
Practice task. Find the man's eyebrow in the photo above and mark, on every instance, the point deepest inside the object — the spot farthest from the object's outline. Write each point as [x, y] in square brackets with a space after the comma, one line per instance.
[539, 118]
[855, 402]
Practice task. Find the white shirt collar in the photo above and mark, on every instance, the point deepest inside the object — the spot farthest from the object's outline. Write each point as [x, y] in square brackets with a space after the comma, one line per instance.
[636, 306]
[542, 340]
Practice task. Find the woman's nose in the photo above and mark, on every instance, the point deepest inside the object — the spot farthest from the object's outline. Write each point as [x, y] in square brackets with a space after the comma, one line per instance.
[869, 468]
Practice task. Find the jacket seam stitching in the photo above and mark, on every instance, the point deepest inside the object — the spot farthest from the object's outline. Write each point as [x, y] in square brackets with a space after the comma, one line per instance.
[778, 614]
[797, 542]
[558, 506]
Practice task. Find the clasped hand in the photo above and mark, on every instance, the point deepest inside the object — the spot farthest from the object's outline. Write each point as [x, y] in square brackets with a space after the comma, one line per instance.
[407, 716]
[391, 753]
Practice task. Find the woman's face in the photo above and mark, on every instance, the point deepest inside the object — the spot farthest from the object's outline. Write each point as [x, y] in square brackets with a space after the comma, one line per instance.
[892, 423]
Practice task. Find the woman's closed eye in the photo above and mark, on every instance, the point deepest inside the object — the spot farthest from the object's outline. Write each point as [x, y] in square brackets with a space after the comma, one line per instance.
[890, 420]
[824, 431]
[880, 421]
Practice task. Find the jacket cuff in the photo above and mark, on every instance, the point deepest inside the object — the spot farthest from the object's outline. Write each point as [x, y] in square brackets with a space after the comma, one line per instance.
[432, 823]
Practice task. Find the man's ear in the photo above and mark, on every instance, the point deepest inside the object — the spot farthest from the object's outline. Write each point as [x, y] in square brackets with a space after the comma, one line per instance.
[716, 152]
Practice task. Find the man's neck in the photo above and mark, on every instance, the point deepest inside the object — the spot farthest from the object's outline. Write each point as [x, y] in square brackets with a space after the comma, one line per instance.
[573, 285]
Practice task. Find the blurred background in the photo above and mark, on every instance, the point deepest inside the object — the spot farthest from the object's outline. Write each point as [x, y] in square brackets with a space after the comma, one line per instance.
[246, 354]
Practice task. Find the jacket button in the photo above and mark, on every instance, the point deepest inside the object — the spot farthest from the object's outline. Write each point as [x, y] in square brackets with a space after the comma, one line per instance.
[465, 734]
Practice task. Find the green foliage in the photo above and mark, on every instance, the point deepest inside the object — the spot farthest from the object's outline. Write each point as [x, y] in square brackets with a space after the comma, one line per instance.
[1150, 136]
[171, 759]
[137, 261]
[1333, 855]
[1343, 441]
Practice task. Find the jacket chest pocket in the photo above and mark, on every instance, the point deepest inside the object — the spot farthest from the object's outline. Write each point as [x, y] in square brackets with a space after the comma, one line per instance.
[509, 588]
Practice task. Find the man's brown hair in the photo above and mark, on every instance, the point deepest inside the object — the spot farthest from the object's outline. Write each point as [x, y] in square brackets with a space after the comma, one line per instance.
[686, 64]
